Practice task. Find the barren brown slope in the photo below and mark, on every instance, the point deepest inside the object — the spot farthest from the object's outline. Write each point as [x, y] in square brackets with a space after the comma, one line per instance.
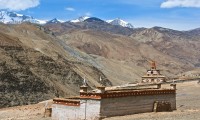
[122, 58]
[42, 40]
[35, 68]
[27, 76]
[181, 45]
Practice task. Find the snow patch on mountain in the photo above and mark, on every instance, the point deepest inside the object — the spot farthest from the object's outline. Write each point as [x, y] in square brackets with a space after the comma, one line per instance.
[120, 22]
[55, 20]
[80, 19]
[41, 21]
[15, 18]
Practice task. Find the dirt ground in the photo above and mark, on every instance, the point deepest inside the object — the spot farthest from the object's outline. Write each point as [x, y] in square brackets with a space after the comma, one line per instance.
[28, 112]
[188, 108]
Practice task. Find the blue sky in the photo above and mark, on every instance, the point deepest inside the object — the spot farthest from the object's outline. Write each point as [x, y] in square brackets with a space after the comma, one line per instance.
[175, 14]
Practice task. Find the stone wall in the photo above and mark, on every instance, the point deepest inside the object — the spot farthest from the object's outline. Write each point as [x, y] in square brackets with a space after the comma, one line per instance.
[133, 104]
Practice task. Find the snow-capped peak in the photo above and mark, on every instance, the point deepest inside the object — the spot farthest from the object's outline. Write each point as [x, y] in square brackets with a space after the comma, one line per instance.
[80, 19]
[8, 17]
[120, 22]
[55, 20]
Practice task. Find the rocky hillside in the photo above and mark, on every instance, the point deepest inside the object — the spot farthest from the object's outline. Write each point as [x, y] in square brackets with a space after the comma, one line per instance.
[183, 45]
[34, 68]
[129, 53]
[121, 54]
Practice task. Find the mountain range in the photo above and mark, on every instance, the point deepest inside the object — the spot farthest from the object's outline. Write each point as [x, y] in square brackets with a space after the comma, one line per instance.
[8, 17]
[42, 61]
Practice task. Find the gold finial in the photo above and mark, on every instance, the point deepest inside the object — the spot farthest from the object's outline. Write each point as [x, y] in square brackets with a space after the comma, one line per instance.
[153, 64]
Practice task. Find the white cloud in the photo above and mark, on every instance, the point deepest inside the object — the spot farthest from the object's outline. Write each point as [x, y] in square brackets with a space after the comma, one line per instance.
[70, 9]
[18, 4]
[180, 3]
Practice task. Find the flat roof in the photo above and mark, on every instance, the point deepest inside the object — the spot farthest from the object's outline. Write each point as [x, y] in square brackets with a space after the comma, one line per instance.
[155, 76]
[126, 93]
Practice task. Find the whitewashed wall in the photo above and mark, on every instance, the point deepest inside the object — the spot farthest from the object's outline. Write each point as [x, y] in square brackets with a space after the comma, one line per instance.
[62, 112]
